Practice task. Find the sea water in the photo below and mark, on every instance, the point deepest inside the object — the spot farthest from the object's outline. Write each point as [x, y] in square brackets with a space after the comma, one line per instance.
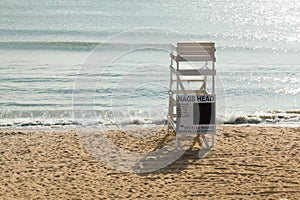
[46, 46]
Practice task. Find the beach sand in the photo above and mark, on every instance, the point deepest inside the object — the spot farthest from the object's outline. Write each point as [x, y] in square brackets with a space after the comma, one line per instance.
[248, 162]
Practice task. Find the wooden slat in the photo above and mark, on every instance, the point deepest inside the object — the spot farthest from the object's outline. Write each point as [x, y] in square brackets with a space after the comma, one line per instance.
[195, 48]
[193, 72]
[191, 92]
[192, 58]
[190, 80]
[195, 58]
[195, 43]
[195, 53]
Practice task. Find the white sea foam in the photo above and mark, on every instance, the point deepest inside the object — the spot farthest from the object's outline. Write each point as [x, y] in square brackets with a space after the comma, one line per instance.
[105, 119]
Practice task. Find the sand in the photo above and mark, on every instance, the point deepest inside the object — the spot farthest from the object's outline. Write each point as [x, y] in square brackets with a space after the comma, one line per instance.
[248, 162]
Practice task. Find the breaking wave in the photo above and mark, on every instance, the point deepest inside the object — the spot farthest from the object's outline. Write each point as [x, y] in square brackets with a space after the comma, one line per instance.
[138, 118]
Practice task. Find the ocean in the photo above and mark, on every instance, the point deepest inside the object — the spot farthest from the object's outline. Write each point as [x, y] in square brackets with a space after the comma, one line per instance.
[47, 47]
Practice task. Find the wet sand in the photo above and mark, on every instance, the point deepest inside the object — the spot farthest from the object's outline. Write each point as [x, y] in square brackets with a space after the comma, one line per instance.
[248, 162]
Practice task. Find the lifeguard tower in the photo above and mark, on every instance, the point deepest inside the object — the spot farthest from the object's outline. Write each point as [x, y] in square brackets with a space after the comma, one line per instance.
[192, 99]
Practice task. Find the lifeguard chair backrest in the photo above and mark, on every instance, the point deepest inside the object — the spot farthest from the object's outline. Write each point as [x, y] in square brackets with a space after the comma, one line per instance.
[196, 51]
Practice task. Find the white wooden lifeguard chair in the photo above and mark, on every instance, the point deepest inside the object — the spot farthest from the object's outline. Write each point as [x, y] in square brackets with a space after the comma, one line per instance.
[192, 100]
